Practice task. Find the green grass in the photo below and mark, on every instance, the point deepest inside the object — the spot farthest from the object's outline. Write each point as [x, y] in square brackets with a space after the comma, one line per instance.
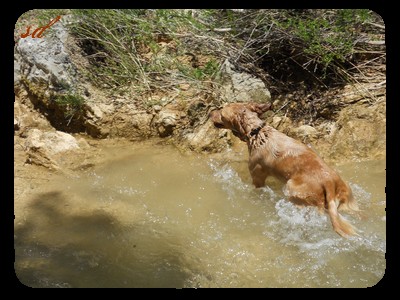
[139, 49]
[327, 39]
[117, 42]
[72, 104]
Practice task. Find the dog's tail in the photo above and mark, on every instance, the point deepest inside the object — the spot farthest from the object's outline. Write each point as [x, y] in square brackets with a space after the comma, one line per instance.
[340, 225]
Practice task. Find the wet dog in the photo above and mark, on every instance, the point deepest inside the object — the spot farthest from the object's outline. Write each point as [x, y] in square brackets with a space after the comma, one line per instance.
[308, 179]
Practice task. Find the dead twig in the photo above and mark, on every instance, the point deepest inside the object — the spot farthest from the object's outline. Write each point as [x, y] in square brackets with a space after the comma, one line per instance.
[376, 25]
[287, 102]
[222, 29]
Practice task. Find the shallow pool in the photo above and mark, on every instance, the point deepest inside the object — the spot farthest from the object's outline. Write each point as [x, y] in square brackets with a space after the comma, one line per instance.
[153, 217]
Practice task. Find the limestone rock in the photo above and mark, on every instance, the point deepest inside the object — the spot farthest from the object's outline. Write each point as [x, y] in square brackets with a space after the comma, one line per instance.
[166, 121]
[359, 133]
[242, 87]
[47, 148]
[130, 124]
[283, 124]
[45, 60]
[26, 117]
[139, 125]
[53, 142]
[305, 133]
[207, 138]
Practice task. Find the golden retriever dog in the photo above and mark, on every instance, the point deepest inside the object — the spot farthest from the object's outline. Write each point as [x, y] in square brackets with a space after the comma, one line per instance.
[308, 179]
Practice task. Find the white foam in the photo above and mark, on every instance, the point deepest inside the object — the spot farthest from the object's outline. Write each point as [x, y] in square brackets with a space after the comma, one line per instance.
[360, 195]
[228, 177]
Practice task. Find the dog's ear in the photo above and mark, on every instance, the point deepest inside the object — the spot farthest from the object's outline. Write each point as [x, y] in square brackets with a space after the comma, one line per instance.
[259, 108]
[215, 117]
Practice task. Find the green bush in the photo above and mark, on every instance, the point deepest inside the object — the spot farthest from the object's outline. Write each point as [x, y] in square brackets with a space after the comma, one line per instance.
[72, 104]
[315, 42]
[326, 37]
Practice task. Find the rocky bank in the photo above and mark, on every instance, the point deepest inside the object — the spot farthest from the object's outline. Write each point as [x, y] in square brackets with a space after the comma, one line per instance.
[46, 130]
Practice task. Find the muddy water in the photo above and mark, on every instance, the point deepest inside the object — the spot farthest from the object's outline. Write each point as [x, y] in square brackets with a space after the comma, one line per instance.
[152, 217]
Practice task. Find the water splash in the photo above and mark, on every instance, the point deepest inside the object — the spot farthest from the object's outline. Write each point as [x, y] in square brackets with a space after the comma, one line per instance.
[360, 194]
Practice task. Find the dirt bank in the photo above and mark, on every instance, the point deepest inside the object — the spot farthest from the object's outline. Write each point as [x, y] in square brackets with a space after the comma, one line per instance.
[65, 117]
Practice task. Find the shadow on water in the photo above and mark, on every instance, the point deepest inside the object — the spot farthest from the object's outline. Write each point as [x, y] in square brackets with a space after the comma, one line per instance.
[60, 246]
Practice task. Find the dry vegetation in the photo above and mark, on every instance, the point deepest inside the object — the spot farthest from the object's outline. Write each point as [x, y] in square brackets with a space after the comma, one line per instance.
[303, 56]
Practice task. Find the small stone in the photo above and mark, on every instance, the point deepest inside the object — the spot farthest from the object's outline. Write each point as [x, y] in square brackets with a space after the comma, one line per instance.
[306, 130]
[157, 108]
[16, 125]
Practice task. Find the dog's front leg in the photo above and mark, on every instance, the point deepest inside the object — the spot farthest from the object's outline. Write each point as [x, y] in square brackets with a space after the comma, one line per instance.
[258, 174]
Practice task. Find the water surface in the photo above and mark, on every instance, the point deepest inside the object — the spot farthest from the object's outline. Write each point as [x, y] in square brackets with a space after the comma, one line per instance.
[153, 217]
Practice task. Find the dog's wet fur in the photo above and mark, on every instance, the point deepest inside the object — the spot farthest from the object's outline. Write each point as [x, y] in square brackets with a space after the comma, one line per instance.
[308, 179]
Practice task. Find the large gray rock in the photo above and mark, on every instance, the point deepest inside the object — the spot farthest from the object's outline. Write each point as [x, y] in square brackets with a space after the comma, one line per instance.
[44, 70]
[241, 87]
[45, 61]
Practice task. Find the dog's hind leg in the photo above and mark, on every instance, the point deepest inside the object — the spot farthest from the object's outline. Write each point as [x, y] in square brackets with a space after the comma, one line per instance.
[340, 225]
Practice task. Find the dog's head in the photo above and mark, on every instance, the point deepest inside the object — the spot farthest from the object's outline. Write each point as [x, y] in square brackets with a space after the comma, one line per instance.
[242, 118]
